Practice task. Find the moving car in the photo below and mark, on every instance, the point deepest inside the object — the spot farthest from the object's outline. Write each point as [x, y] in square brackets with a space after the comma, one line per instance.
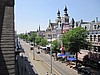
[31, 47]
[38, 52]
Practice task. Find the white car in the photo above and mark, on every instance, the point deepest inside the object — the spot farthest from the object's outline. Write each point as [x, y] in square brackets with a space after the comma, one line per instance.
[38, 52]
[44, 48]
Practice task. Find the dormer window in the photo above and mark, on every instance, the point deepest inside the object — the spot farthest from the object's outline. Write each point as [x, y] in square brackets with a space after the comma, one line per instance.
[98, 27]
[94, 26]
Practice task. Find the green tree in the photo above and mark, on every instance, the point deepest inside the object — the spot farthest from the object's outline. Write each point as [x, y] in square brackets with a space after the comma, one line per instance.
[23, 36]
[74, 39]
[43, 42]
[38, 39]
[26, 37]
[32, 37]
[55, 47]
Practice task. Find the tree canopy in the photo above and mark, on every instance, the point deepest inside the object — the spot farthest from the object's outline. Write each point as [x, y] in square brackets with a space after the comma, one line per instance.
[74, 39]
[38, 39]
[43, 42]
[55, 46]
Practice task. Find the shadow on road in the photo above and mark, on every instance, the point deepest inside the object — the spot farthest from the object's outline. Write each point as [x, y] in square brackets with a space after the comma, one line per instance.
[30, 67]
[25, 67]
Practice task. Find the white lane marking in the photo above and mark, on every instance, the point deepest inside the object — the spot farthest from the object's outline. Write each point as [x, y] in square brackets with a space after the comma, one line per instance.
[49, 65]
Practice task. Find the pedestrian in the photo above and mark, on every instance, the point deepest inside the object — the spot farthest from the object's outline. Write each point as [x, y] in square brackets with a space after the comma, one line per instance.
[47, 73]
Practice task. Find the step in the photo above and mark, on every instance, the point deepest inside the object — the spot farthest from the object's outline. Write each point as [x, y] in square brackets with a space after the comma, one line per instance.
[5, 38]
[4, 46]
[9, 59]
[7, 43]
[7, 51]
[11, 71]
[9, 55]
[7, 33]
[8, 40]
[7, 48]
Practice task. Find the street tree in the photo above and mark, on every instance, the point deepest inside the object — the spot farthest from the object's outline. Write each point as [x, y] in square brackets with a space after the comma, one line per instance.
[23, 36]
[38, 39]
[32, 37]
[74, 40]
[55, 47]
[43, 42]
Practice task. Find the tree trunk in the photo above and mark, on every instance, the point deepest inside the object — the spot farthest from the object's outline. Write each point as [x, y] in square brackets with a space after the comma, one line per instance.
[76, 59]
[56, 56]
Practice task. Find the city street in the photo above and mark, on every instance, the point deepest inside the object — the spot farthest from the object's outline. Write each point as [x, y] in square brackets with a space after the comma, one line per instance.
[42, 62]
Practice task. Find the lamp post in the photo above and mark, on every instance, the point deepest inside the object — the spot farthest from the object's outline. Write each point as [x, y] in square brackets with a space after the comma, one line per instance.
[51, 54]
[34, 49]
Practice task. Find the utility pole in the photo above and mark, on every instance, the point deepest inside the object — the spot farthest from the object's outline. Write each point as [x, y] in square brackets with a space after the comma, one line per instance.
[51, 52]
[34, 49]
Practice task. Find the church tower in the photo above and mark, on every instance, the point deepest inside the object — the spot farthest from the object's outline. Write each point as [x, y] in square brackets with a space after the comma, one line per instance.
[65, 18]
[65, 21]
[58, 17]
[39, 27]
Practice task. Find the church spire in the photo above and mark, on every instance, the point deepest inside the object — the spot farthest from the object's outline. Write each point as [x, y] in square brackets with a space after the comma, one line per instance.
[39, 27]
[58, 14]
[65, 11]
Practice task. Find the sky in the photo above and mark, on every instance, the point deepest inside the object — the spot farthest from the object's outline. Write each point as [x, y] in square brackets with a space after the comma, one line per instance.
[29, 14]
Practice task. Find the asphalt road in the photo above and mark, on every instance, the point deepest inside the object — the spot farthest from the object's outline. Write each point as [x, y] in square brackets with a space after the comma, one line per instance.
[43, 60]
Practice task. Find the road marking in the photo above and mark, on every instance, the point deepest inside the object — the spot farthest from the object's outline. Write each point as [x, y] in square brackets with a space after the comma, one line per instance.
[49, 65]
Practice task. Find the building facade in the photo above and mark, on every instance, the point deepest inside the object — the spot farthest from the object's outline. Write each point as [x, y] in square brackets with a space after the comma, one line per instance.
[59, 27]
[93, 32]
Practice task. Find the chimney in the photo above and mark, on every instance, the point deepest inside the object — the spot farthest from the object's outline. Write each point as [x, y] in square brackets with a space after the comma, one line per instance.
[96, 19]
[81, 20]
[49, 21]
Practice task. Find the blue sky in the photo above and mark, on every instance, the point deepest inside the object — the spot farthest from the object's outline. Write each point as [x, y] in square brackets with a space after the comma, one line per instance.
[29, 14]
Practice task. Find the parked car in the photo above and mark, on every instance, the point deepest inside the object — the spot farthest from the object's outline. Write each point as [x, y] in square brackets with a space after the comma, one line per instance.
[44, 48]
[31, 47]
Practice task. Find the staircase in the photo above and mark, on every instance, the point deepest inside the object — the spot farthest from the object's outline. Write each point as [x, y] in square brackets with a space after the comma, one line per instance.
[7, 39]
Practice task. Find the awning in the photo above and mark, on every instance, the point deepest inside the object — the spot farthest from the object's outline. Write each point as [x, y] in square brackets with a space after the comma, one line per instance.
[62, 55]
[71, 59]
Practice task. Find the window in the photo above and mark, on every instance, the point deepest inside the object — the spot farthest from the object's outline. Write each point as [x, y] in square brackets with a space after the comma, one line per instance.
[90, 37]
[94, 26]
[94, 37]
[98, 27]
[98, 38]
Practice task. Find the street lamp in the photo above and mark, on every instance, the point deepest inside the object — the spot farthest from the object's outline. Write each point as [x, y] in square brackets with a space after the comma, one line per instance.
[51, 53]
[34, 49]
